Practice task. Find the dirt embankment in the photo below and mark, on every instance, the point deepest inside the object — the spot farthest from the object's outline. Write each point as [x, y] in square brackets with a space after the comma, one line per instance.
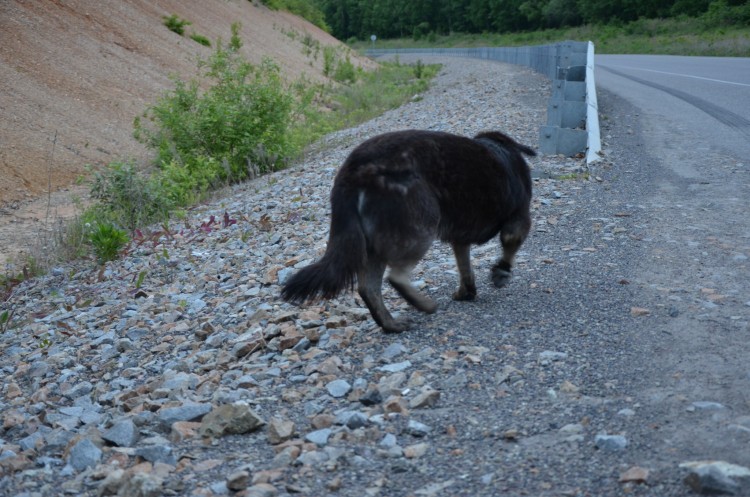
[75, 73]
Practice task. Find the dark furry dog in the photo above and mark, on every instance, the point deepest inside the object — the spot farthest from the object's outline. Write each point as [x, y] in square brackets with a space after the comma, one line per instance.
[399, 191]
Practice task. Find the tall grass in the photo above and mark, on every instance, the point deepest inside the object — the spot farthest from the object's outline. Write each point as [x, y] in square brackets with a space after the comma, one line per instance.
[329, 108]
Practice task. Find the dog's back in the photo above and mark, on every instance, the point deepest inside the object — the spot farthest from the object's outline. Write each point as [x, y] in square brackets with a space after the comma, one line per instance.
[478, 182]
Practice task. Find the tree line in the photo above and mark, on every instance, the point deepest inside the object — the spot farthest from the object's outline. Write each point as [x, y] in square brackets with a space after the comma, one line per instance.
[360, 19]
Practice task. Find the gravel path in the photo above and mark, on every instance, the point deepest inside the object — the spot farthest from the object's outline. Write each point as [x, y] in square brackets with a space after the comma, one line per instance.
[177, 370]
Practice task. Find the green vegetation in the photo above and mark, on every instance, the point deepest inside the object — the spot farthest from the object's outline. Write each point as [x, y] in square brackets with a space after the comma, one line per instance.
[380, 90]
[200, 39]
[676, 36]
[307, 9]
[175, 24]
[107, 241]
[234, 121]
[424, 20]
[241, 120]
[126, 197]
[684, 27]
[5, 319]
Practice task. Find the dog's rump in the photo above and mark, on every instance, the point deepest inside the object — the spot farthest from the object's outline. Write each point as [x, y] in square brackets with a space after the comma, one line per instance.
[479, 183]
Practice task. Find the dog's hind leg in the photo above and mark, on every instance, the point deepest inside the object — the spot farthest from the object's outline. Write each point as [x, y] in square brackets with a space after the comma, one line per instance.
[369, 283]
[512, 237]
[467, 288]
[400, 278]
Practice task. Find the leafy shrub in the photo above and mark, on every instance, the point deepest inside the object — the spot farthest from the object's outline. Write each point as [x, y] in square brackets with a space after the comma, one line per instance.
[303, 8]
[329, 60]
[720, 13]
[345, 72]
[126, 197]
[175, 24]
[5, 318]
[421, 30]
[419, 69]
[185, 184]
[107, 241]
[246, 110]
[200, 39]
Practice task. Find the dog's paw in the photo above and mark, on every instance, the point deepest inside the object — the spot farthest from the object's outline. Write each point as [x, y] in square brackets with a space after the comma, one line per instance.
[463, 294]
[397, 325]
[500, 277]
[427, 306]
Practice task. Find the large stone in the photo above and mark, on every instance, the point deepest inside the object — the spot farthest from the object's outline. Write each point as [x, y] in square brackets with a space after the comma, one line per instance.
[717, 477]
[123, 433]
[610, 442]
[84, 454]
[417, 429]
[230, 419]
[427, 397]
[392, 351]
[415, 451]
[112, 482]
[239, 480]
[319, 437]
[338, 388]
[187, 412]
[396, 367]
[261, 490]
[141, 485]
[157, 453]
[280, 430]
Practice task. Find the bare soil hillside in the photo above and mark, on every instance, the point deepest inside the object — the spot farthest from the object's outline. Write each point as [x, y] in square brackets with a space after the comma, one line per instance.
[75, 73]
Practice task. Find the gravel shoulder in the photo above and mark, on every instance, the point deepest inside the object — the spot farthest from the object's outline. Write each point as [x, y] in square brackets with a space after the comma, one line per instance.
[616, 353]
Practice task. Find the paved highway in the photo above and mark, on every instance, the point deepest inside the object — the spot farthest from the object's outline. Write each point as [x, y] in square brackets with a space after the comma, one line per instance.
[706, 97]
[676, 132]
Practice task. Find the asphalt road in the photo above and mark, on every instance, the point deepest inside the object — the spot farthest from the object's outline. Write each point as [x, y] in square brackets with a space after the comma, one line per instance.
[709, 96]
[677, 133]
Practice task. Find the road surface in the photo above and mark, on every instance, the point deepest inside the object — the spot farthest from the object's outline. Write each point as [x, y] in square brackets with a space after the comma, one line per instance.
[709, 96]
[677, 130]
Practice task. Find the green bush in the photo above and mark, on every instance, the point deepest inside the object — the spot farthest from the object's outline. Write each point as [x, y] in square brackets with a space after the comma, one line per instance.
[175, 24]
[306, 9]
[345, 72]
[108, 241]
[420, 30]
[329, 60]
[184, 184]
[200, 39]
[242, 118]
[126, 197]
[419, 69]
[721, 14]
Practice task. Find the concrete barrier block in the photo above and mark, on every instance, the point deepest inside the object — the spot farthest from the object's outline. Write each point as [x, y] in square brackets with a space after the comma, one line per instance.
[554, 140]
[566, 114]
[575, 91]
[576, 73]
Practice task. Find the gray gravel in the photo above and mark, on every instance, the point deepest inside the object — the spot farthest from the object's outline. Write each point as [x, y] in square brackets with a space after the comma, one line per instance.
[597, 371]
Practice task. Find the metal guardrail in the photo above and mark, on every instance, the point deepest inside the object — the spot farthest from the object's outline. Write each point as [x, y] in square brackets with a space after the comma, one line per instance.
[572, 113]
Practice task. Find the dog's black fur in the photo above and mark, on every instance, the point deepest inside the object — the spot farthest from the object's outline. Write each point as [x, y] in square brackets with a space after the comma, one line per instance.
[396, 193]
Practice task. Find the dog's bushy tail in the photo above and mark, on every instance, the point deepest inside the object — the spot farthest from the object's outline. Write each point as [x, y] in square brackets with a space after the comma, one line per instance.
[345, 255]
